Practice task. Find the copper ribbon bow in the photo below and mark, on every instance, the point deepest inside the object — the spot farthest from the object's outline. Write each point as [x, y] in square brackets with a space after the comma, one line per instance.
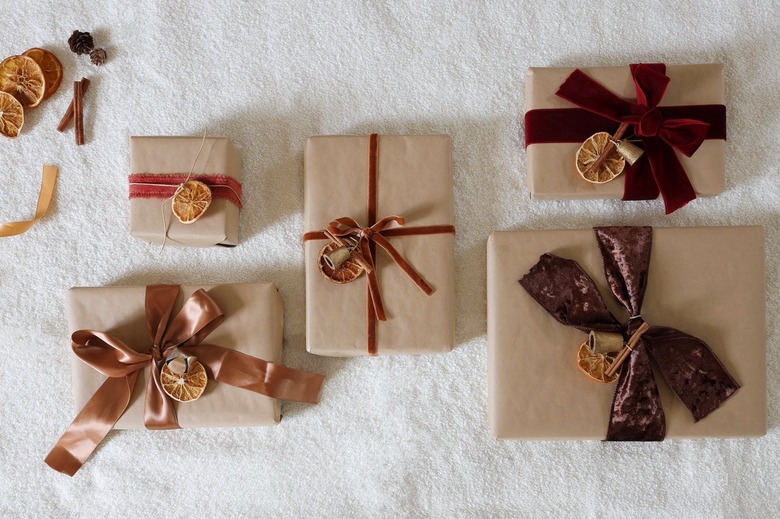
[376, 233]
[122, 364]
[690, 368]
[660, 133]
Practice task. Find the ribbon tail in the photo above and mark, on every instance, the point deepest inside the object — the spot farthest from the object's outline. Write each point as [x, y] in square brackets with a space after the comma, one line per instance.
[45, 195]
[159, 410]
[691, 369]
[274, 380]
[640, 183]
[405, 266]
[636, 413]
[669, 175]
[92, 424]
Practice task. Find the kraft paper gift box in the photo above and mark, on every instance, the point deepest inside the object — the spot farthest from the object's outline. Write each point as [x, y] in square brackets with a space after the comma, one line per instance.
[707, 282]
[414, 181]
[253, 325]
[156, 161]
[550, 153]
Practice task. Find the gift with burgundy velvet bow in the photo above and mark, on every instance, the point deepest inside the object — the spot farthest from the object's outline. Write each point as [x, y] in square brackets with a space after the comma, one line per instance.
[633, 132]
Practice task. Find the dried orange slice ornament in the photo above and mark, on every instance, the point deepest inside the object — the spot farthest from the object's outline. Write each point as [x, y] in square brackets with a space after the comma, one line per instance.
[346, 272]
[23, 78]
[191, 201]
[589, 152]
[51, 68]
[595, 364]
[11, 115]
[184, 381]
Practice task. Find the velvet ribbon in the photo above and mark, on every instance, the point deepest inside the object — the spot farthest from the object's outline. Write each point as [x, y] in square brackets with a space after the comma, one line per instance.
[149, 185]
[122, 364]
[662, 130]
[48, 181]
[686, 363]
[376, 233]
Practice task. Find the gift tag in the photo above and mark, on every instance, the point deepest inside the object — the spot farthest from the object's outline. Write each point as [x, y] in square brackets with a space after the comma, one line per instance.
[338, 264]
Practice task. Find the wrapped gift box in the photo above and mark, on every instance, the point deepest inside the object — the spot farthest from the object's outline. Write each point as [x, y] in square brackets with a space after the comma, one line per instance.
[707, 282]
[551, 170]
[253, 325]
[174, 156]
[414, 180]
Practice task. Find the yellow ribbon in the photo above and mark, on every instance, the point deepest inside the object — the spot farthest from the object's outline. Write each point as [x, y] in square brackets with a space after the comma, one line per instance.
[44, 199]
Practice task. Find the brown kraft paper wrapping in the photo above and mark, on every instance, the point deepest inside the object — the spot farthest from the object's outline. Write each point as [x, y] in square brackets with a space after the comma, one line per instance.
[161, 155]
[552, 174]
[253, 325]
[414, 180]
[708, 282]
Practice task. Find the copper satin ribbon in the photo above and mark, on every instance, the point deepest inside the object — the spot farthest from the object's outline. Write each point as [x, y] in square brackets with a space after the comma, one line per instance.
[199, 316]
[45, 195]
[686, 363]
[149, 185]
[376, 233]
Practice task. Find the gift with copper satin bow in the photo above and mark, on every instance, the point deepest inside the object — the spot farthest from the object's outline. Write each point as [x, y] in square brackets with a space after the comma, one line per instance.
[379, 244]
[633, 132]
[169, 357]
[185, 190]
[627, 333]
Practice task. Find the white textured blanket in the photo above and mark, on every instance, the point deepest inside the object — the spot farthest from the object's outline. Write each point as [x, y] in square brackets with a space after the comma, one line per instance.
[400, 436]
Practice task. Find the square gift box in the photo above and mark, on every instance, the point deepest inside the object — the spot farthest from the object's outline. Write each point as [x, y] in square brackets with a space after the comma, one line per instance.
[159, 164]
[555, 128]
[707, 282]
[413, 180]
[253, 325]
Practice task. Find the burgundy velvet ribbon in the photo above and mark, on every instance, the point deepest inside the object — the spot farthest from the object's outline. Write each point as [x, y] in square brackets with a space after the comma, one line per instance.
[662, 130]
[690, 368]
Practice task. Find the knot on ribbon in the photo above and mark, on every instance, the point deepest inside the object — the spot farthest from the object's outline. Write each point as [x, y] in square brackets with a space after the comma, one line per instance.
[367, 238]
[662, 172]
[686, 363]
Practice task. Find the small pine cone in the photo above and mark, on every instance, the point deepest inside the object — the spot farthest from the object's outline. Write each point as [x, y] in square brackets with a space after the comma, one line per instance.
[98, 57]
[81, 42]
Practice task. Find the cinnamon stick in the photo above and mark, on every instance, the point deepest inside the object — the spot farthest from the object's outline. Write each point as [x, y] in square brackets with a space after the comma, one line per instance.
[609, 147]
[627, 349]
[78, 111]
[69, 112]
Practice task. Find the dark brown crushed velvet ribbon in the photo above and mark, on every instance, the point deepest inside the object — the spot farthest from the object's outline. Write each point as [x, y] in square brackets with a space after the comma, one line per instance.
[199, 316]
[376, 233]
[692, 370]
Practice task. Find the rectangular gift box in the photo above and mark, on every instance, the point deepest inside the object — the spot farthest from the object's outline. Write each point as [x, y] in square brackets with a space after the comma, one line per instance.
[708, 282]
[414, 180]
[175, 155]
[253, 325]
[551, 170]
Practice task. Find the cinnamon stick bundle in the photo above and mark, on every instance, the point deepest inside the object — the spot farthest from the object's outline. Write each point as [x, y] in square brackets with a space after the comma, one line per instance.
[70, 111]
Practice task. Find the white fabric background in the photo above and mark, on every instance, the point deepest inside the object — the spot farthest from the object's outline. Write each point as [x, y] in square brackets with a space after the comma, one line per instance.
[392, 436]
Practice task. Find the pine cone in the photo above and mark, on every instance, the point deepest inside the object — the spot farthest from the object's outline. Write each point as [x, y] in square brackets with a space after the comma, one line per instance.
[98, 57]
[81, 42]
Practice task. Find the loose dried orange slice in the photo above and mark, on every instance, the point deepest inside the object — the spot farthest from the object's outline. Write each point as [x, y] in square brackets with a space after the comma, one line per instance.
[184, 387]
[11, 115]
[23, 78]
[51, 68]
[191, 201]
[347, 272]
[590, 150]
[595, 364]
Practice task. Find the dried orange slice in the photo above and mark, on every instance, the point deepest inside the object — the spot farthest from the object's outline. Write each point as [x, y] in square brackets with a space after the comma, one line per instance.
[51, 68]
[595, 364]
[347, 272]
[191, 201]
[11, 115]
[590, 150]
[23, 78]
[184, 387]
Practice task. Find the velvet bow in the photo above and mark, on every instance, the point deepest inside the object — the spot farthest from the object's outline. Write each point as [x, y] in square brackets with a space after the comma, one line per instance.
[660, 134]
[686, 363]
[365, 236]
[122, 364]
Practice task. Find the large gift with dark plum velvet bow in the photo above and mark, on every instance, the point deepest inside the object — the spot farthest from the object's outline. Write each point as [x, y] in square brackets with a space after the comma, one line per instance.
[673, 117]
[627, 333]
